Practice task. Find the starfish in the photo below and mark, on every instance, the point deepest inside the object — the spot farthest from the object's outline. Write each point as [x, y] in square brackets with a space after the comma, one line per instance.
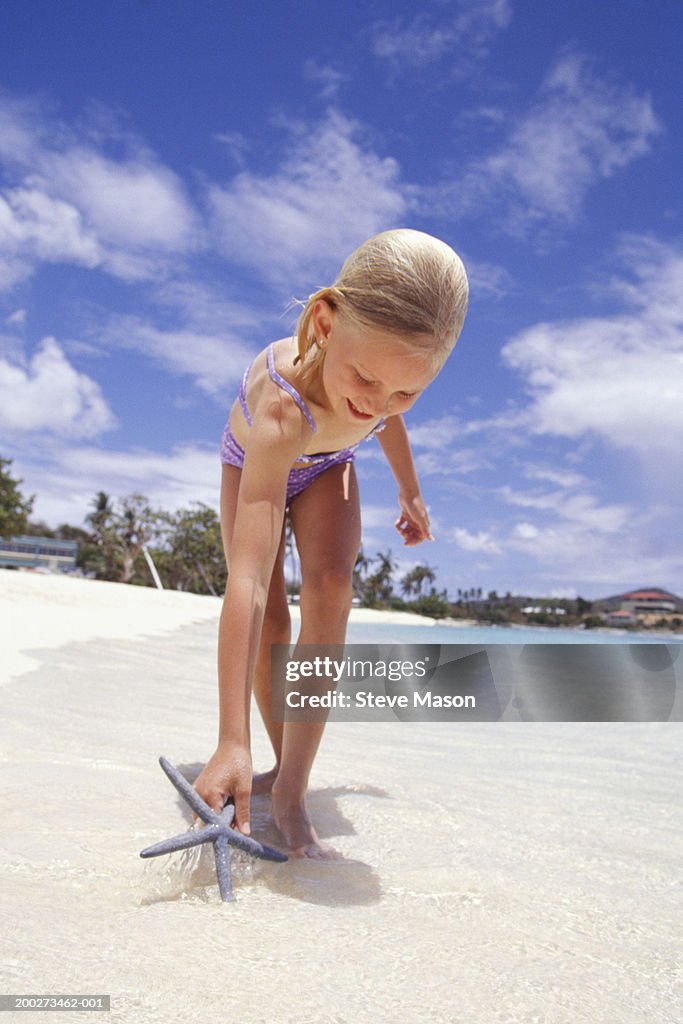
[217, 830]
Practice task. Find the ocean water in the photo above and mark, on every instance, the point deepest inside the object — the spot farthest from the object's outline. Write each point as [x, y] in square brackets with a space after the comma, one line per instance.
[380, 633]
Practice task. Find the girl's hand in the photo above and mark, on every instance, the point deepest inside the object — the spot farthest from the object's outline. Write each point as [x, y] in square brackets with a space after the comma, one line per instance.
[228, 774]
[413, 523]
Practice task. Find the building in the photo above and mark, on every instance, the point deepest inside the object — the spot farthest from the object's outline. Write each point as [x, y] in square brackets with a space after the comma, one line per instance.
[621, 618]
[38, 553]
[649, 602]
[641, 604]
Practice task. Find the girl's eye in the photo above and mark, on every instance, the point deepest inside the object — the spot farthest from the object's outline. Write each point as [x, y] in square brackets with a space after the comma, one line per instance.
[362, 379]
[407, 394]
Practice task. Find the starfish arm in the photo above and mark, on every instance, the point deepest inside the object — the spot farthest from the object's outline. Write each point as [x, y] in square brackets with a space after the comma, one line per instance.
[183, 841]
[188, 792]
[223, 872]
[217, 830]
[227, 815]
[252, 846]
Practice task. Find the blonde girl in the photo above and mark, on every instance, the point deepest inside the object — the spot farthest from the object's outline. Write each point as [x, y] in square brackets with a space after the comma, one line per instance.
[365, 350]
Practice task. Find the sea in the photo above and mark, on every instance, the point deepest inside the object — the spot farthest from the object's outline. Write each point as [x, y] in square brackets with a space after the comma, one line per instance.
[399, 632]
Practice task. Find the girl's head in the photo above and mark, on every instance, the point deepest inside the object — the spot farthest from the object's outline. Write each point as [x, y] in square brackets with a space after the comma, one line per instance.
[405, 283]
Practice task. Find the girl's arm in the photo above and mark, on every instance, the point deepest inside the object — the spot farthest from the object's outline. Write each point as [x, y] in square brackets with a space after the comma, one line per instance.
[413, 523]
[275, 439]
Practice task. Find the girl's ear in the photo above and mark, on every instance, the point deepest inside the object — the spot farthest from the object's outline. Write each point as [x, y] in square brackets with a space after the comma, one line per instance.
[323, 319]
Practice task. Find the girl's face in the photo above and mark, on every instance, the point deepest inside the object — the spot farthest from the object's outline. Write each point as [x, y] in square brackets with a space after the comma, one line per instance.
[369, 374]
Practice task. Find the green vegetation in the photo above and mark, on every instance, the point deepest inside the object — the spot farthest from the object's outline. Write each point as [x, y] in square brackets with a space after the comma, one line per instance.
[15, 509]
[187, 551]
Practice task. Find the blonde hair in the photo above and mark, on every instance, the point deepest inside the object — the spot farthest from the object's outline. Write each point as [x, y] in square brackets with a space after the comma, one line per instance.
[404, 282]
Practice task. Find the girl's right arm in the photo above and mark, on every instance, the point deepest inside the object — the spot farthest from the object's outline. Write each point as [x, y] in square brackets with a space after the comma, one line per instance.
[275, 439]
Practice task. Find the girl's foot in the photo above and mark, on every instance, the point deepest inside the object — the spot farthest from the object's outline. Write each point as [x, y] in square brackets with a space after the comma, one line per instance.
[295, 827]
[263, 782]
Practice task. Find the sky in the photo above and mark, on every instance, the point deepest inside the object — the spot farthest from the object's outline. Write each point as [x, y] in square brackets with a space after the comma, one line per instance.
[174, 174]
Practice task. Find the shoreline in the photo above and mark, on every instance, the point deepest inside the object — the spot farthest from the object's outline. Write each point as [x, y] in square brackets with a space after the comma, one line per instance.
[45, 611]
[40, 611]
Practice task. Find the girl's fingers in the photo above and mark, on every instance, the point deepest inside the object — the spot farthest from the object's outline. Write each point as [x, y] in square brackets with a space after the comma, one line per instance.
[242, 813]
[413, 531]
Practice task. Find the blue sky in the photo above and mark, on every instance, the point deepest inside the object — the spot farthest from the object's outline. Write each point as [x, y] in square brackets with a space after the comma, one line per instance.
[173, 175]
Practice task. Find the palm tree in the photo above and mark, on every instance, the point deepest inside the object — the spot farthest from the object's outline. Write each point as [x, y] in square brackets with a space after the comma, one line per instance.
[413, 582]
[377, 587]
[360, 570]
[101, 515]
[102, 558]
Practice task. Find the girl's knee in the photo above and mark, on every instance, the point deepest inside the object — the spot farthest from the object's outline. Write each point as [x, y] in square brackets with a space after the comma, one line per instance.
[331, 588]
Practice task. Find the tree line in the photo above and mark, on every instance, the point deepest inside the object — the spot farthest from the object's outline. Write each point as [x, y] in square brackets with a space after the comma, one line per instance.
[186, 548]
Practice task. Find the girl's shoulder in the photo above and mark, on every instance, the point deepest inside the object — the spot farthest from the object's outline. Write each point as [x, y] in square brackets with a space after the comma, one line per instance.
[272, 397]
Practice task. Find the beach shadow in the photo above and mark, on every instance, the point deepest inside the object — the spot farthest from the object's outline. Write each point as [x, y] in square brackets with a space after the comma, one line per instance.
[343, 882]
[332, 883]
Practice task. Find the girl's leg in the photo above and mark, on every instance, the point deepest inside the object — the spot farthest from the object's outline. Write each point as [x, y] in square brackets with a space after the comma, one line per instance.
[276, 623]
[277, 629]
[326, 523]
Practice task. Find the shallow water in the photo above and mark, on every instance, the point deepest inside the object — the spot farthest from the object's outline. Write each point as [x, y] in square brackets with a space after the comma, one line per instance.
[494, 873]
[398, 633]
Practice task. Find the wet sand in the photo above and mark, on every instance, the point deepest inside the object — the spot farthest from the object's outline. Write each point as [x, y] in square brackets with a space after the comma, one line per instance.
[501, 873]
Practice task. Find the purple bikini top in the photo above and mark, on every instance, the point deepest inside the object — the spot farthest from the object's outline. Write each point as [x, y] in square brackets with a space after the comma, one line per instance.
[291, 390]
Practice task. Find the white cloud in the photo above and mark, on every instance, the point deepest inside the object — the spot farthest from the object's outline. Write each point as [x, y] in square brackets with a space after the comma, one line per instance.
[208, 337]
[436, 434]
[21, 125]
[50, 396]
[65, 201]
[35, 226]
[16, 320]
[562, 477]
[329, 79]
[136, 203]
[587, 559]
[488, 280]
[67, 482]
[329, 195]
[582, 508]
[236, 145]
[375, 516]
[214, 360]
[619, 377]
[481, 542]
[525, 531]
[439, 448]
[462, 39]
[207, 307]
[447, 464]
[583, 129]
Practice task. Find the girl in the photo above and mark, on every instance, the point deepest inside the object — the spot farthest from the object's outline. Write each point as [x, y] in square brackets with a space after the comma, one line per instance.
[365, 349]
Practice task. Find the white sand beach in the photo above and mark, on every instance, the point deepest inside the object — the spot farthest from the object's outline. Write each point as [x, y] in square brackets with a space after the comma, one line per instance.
[494, 873]
[46, 611]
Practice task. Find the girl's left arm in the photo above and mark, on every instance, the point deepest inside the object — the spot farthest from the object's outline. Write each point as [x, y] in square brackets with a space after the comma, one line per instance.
[413, 523]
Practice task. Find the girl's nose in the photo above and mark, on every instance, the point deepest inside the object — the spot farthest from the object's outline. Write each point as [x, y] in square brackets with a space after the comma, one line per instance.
[381, 405]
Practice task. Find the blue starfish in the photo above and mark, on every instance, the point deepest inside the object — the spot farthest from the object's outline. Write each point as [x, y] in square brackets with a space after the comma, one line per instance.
[217, 830]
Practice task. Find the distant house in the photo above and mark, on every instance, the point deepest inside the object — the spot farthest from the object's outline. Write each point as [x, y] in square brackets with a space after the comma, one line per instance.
[641, 603]
[621, 618]
[38, 553]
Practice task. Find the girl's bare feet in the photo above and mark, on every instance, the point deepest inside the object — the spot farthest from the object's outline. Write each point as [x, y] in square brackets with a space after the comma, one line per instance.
[295, 827]
[262, 783]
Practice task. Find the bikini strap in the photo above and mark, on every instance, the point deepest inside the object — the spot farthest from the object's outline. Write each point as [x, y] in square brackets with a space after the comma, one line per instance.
[242, 395]
[286, 386]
